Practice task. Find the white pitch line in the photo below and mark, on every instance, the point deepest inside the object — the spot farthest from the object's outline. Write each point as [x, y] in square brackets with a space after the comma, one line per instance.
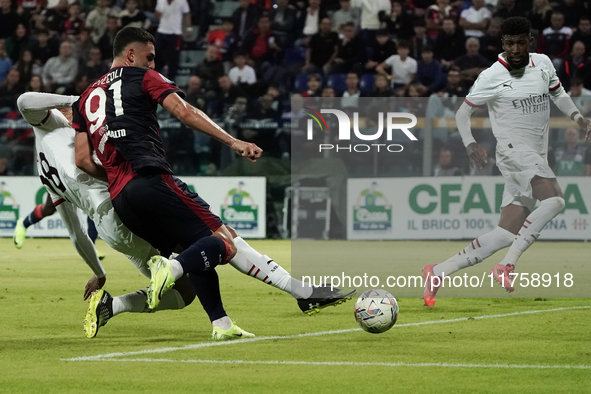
[99, 357]
[352, 364]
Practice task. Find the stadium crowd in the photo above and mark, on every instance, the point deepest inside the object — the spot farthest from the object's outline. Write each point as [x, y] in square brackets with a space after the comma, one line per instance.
[272, 51]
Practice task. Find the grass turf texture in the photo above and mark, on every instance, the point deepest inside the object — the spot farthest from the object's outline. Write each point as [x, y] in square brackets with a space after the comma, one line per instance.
[42, 310]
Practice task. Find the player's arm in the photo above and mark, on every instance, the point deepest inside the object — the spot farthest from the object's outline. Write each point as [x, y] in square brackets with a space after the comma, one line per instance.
[36, 107]
[564, 102]
[198, 120]
[476, 152]
[84, 247]
[83, 157]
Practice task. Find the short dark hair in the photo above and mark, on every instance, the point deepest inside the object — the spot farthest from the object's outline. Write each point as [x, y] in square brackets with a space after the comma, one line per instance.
[129, 35]
[515, 26]
[403, 44]
[427, 48]
[576, 81]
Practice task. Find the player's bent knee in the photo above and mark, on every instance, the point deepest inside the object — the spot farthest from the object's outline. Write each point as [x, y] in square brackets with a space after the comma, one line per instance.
[556, 204]
[185, 288]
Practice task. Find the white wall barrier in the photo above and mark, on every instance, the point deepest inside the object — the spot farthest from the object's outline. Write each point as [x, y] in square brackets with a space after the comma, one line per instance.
[239, 201]
[450, 208]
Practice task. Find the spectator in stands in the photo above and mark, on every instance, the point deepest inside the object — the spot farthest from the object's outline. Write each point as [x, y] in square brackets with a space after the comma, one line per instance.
[10, 89]
[45, 48]
[229, 47]
[80, 84]
[373, 12]
[583, 34]
[420, 39]
[261, 45]
[211, 69]
[472, 63]
[106, 41]
[94, 67]
[5, 62]
[446, 102]
[217, 37]
[435, 15]
[351, 53]
[491, 44]
[169, 35]
[27, 66]
[475, 19]
[328, 91]
[429, 76]
[323, 48]
[539, 16]
[195, 94]
[351, 95]
[576, 65]
[572, 159]
[311, 19]
[580, 96]
[263, 108]
[383, 48]
[35, 84]
[345, 15]
[446, 165]
[8, 19]
[554, 40]
[54, 18]
[4, 167]
[572, 11]
[283, 23]
[17, 43]
[133, 16]
[402, 67]
[97, 19]
[509, 8]
[450, 44]
[245, 17]
[381, 87]
[81, 45]
[74, 24]
[227, 96]
[61, 70]
[400, 22]
[314, 83]
[242, 73]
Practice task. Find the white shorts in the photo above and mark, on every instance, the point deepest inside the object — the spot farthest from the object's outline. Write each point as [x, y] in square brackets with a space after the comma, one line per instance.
[519, 168]
[118, 237]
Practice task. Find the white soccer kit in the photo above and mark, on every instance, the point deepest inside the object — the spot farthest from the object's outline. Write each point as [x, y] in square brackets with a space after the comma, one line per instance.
[518, 103]
[70, 187]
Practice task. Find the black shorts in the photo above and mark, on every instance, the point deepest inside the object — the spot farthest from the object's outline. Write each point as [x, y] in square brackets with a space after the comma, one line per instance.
[162, 210]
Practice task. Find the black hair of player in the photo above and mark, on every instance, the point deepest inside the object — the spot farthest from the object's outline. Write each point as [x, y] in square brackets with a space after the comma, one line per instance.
[129, 35]
[515, 25]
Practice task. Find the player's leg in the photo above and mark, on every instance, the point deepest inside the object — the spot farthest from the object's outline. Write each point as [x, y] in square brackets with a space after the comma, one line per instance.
[93, 235]
[548, 192]
[310, 300]
[40, 211]
[512, 218]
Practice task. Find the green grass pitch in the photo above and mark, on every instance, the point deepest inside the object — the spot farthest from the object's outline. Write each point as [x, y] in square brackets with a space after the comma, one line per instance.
[43, 349]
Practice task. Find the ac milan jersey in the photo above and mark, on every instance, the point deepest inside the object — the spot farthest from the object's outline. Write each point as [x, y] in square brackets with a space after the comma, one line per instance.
[118, 112]
[518, 102]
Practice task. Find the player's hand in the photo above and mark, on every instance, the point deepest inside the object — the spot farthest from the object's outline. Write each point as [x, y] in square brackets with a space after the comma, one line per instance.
[93, 285]
[584, 125]
[477, 155]
[247, 149]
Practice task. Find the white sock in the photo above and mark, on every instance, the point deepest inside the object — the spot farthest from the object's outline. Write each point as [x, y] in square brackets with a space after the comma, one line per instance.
[530, 231]
[177, 269]
[224, 323]
[132, 302]
[479, 249]
[136, 302]
[262, 267]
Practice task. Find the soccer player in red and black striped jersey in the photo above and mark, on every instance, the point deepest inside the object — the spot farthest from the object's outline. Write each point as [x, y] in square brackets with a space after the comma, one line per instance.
[117, 115]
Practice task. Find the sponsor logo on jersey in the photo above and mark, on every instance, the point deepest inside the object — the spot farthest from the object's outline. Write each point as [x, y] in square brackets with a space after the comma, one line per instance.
[533, 104]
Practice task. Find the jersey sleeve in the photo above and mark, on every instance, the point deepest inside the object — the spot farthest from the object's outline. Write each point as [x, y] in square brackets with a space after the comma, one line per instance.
[482, 91]
[78, 121]
[185, 9]
[553, 81]
[158, 87]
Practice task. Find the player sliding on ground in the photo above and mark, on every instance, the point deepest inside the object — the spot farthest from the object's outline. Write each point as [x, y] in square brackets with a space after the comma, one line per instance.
[517, 91]
[70, 188]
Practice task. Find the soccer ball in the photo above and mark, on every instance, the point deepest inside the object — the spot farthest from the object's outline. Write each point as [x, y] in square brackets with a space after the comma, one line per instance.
[376, 311]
